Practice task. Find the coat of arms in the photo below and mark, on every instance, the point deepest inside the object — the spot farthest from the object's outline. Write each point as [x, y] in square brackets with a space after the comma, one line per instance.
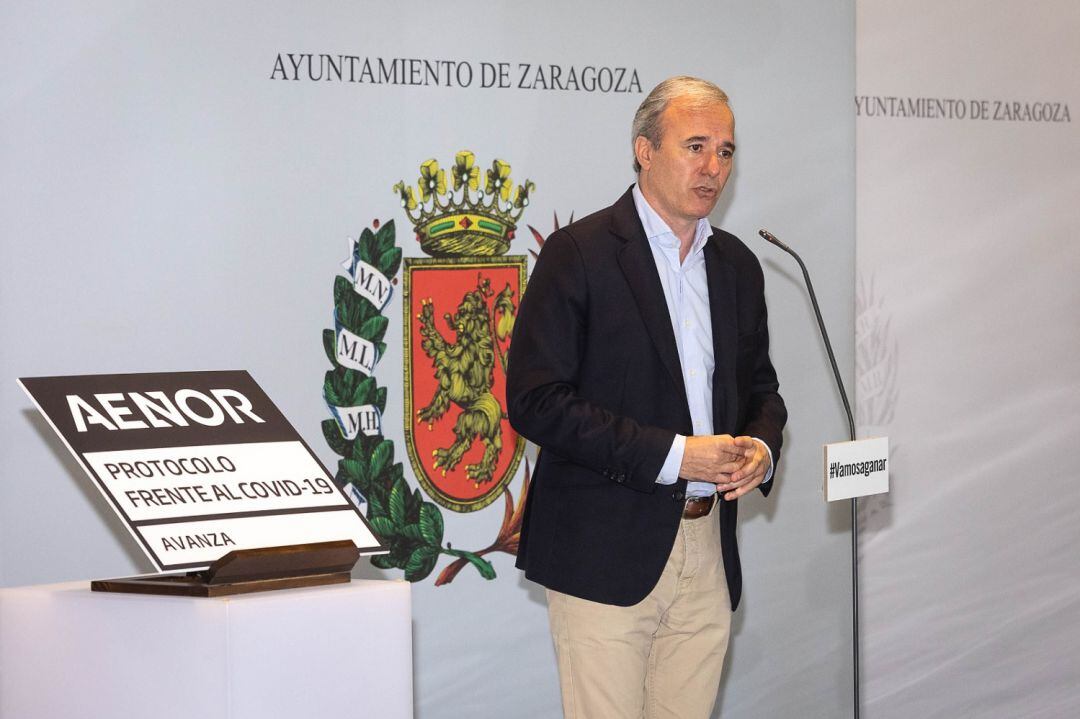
[460, 304]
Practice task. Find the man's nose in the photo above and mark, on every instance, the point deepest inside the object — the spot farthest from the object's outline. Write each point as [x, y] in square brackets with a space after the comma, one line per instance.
[712, 165]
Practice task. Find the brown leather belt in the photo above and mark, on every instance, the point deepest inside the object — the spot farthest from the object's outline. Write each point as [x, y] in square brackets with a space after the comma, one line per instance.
[698, 506]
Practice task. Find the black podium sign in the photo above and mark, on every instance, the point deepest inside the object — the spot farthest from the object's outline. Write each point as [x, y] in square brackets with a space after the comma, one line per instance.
[198, 464]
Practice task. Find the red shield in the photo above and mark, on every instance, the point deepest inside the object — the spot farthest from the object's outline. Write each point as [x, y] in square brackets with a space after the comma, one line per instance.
[458, 315]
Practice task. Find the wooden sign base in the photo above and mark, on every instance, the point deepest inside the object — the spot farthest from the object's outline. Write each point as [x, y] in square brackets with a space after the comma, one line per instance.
[244, 571]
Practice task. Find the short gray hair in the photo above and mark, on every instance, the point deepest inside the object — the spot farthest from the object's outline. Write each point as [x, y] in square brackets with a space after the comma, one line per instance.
[647, 123]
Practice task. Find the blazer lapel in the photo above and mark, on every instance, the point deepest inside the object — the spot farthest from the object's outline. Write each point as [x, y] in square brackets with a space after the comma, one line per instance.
[720, 275]
[639, 267]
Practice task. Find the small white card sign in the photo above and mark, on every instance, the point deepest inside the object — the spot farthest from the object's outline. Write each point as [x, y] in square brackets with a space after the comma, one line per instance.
[198, 464]
[856, 469]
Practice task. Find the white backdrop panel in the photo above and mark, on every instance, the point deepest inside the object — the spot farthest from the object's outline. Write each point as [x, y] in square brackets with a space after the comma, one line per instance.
[169, 206]
[967, 264]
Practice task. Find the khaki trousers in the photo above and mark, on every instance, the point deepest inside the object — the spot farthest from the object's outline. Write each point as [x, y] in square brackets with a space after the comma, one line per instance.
[661, 657]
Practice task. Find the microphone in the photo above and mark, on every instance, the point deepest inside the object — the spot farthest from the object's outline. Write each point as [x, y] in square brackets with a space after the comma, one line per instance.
[770, 237]
[773, 239]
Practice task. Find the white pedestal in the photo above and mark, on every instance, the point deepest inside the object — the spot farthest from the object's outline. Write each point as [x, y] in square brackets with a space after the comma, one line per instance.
[329, 652]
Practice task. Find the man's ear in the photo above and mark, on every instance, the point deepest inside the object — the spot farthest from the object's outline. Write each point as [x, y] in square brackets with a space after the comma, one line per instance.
[643, 150]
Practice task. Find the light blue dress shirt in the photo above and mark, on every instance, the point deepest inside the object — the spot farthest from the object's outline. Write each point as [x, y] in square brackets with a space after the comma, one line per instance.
[686, 291]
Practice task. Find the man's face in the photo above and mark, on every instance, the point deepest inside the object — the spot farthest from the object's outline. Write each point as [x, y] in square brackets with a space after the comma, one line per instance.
[682, 179]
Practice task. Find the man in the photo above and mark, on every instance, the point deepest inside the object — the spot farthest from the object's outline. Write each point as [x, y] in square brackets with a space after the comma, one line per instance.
[640, 366]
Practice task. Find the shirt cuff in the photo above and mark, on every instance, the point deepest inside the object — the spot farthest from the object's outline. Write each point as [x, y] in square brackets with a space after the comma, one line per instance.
[669, 473]
[768, 475]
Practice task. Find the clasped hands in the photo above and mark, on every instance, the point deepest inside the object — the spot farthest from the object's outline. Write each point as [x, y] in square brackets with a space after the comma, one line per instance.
[736, 465]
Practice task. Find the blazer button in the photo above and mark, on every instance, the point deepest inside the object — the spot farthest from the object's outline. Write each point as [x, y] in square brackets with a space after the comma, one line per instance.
[678, 496]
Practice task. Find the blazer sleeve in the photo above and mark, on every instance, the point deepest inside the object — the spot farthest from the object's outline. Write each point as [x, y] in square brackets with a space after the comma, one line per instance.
[545, 401]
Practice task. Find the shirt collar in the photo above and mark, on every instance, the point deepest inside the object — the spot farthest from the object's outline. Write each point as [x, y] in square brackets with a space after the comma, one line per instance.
[657, 230]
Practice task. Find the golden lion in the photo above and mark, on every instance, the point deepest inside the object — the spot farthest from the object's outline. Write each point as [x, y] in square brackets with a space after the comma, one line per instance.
[465, 370]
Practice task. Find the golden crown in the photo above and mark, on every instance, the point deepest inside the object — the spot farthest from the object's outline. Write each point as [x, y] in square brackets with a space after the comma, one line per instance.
[465, 220]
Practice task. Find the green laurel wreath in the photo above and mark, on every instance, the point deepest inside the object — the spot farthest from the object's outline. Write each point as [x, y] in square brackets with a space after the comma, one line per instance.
[411, 527]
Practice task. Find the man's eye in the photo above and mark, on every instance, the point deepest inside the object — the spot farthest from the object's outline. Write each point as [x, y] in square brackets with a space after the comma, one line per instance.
[726, 154]
[696, 147]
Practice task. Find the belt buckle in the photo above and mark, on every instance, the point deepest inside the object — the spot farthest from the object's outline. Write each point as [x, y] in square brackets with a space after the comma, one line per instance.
[702, 506]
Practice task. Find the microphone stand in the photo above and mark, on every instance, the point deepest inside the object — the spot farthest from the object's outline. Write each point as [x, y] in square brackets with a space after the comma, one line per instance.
[769, 237]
